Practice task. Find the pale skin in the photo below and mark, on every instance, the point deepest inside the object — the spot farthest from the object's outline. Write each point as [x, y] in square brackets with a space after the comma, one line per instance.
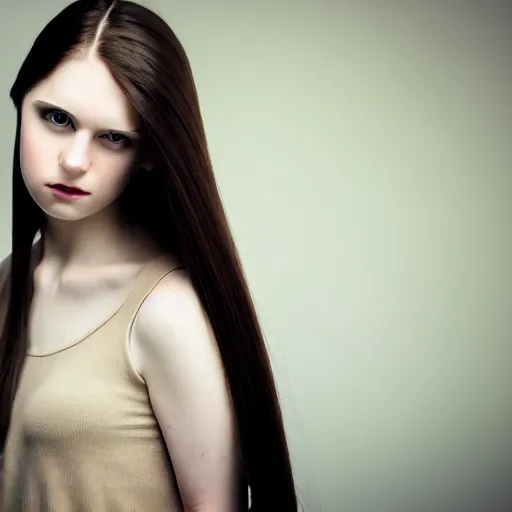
[89, 262]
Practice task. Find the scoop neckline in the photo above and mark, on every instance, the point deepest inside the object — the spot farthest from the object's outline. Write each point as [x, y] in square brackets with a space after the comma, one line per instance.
[116, 312]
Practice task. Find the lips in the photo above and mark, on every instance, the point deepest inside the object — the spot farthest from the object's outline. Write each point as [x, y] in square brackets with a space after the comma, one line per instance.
[68, 190]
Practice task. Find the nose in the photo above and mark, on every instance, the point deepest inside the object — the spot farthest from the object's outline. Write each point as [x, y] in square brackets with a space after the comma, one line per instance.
[75, 159]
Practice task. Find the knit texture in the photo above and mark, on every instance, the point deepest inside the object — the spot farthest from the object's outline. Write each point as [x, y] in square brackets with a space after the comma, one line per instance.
[83, 435]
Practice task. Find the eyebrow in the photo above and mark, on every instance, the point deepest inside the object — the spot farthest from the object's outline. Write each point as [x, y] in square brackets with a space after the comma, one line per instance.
[45, 104]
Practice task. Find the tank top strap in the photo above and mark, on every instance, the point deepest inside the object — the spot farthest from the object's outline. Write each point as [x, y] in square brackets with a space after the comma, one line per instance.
[149, 277]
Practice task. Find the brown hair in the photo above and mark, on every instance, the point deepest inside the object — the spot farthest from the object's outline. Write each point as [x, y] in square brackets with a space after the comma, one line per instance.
[179, 206]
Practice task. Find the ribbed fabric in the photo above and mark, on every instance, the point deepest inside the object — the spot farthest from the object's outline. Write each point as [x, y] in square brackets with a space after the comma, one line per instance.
[83, 436]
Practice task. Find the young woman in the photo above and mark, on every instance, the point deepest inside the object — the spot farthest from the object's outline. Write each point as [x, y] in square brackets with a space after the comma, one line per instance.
[133, 373]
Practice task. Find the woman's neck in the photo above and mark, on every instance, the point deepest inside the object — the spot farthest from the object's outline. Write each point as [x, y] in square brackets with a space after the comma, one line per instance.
[95, 241]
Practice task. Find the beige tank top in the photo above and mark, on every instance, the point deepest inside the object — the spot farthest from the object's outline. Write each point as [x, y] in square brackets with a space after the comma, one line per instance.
[83, 436]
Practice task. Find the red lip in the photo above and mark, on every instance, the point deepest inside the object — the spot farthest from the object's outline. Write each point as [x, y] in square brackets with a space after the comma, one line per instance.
[68, 189]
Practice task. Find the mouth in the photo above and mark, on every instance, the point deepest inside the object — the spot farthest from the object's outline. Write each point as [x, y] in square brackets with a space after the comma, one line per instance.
[65, 189]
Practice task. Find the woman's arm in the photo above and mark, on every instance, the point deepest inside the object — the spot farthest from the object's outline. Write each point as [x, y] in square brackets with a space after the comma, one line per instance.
[183, 370]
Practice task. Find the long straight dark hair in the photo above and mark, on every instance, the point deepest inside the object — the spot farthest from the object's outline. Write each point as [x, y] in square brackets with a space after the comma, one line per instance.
[177, 204]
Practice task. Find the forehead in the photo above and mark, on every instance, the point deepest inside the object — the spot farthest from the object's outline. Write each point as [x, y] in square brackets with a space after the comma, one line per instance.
[86, 89]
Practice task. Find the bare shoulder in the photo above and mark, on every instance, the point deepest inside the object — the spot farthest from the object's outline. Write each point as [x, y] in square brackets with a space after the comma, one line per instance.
[176, 284]
[173, 314]
[175, 295]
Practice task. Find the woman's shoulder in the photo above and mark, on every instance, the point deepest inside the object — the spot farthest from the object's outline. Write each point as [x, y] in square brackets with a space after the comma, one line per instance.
[172, 316]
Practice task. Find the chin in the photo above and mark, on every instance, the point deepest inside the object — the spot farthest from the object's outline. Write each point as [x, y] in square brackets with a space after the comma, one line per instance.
[54, 209]
[59, 214]
[68, 212]
[65, 217]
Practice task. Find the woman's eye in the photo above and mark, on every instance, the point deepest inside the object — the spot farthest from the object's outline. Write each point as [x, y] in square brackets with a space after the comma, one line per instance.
[116, 138]
[57, 118]
[60, 119]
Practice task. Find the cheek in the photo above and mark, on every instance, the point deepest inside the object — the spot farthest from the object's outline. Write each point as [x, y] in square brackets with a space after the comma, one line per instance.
[36, 152]
[116, 174]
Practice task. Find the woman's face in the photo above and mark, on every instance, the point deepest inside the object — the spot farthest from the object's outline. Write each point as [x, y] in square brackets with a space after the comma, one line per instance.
[77, 130]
